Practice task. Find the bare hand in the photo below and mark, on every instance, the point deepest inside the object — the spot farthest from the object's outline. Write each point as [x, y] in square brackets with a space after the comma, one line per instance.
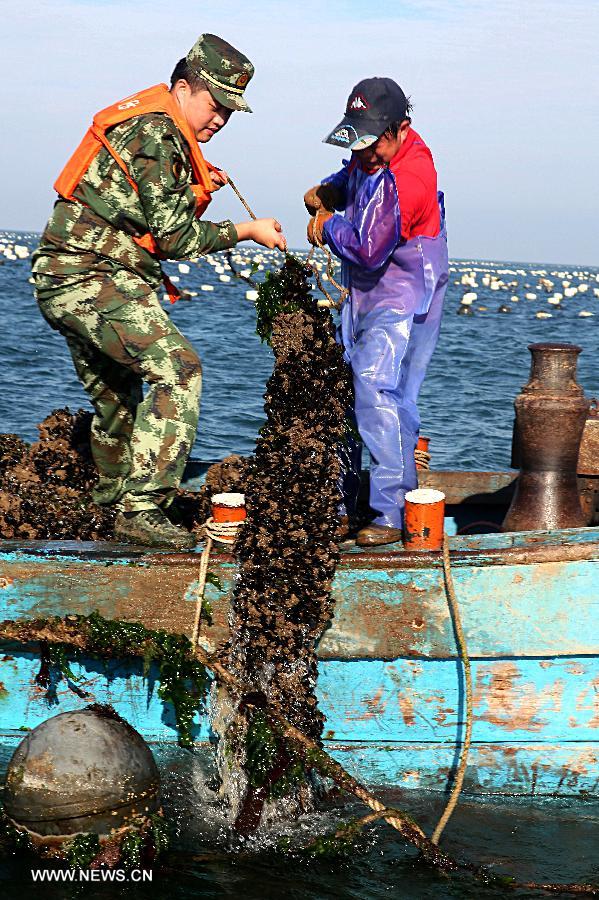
[218, 178]
[269, 233]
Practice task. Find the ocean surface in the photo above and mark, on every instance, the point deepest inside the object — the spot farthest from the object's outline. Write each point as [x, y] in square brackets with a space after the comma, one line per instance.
[466, 404]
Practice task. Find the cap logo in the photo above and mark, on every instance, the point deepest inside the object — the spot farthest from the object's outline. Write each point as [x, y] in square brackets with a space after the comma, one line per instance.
[359, 103]
[242, 80]
[342, 135]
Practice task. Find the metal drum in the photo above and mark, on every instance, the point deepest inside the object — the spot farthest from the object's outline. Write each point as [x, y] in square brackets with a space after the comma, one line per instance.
[87, 770]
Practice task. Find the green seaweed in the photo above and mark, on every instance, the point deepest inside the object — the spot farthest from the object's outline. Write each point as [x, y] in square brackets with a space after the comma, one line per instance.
[82, 850]
[215, 581]
[261, 749]
[341, 843]
[183, 679]
[57, 655]
[206, 612]
[283, 291]
[264, 747]
[132, 847]
[161, 835]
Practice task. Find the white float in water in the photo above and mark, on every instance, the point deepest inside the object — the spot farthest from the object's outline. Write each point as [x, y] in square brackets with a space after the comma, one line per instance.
[251, 295]
[207, 287]
[530, 296]
[224, 277]
[184, 268]
[543, 315]
[469, 298]
[585, 313]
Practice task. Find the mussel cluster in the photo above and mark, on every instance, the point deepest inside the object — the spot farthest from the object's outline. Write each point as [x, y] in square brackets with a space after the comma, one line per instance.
[287, 549]
[45, 488]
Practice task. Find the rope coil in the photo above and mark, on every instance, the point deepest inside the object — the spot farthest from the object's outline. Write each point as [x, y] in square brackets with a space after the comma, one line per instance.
[423, 459]
[224, 533]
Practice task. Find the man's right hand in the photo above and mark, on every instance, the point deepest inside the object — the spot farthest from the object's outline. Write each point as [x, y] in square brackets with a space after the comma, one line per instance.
[322, 196]
[267, 232]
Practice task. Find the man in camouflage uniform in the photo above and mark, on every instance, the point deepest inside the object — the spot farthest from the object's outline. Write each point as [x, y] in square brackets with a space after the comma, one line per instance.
[98, 287]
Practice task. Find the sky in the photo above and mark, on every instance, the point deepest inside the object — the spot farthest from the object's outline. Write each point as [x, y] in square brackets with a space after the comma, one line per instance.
[505, 93]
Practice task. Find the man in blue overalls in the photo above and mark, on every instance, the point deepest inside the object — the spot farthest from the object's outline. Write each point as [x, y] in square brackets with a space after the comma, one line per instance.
[392, 242]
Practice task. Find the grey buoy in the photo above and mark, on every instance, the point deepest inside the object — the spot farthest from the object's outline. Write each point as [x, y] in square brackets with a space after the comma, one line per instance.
[81, 771]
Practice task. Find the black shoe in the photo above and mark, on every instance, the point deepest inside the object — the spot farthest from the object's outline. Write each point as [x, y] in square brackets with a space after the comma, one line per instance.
[151, 528]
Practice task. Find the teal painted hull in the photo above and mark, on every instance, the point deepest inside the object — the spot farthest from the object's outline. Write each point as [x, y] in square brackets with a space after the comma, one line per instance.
[390, 682]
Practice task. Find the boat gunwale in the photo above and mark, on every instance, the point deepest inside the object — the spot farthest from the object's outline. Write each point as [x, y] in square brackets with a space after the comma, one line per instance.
[104, 553]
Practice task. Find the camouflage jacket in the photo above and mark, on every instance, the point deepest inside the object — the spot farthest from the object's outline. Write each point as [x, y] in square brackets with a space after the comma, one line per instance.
[96, 234]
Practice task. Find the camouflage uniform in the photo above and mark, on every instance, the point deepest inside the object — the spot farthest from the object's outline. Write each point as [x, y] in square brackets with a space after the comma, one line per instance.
[97, 287]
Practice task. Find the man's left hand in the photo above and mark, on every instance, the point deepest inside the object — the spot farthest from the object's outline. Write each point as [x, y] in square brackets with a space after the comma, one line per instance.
[315, 227]
[219, 178]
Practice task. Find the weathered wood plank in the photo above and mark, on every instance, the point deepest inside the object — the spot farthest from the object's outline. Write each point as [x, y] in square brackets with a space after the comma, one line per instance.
[533, 769]
[520, 769]
[546, 700]
[395, 606]
[403, 701]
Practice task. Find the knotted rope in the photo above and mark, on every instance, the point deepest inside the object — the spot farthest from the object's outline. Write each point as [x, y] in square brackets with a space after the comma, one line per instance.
[343, 292]
[222, 533]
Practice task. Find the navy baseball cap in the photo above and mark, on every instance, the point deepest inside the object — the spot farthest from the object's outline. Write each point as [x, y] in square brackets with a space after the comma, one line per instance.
[372, 106]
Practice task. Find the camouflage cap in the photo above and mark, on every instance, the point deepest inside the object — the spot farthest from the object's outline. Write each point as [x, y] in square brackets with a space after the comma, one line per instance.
[225, 70]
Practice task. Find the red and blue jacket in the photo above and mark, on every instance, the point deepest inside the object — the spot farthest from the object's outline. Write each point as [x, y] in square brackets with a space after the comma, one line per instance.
[391, 236]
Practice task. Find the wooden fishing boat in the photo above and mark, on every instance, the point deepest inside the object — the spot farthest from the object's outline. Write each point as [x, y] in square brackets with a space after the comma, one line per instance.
[390, 682]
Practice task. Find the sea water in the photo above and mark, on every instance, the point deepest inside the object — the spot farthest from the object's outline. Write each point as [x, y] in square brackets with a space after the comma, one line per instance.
[466, 403]
[466, 406]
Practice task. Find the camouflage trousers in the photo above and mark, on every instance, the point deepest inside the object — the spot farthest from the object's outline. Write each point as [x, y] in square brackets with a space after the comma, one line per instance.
[121, 339]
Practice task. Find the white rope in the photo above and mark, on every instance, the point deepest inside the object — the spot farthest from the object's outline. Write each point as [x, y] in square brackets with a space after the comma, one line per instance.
[224, 533]
[423, 459]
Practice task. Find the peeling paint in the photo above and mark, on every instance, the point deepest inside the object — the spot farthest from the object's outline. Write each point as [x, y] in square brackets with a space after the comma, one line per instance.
[504, 700]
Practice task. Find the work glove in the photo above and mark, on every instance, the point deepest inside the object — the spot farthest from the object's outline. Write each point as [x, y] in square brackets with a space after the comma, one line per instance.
[323, 196]
[315, 227]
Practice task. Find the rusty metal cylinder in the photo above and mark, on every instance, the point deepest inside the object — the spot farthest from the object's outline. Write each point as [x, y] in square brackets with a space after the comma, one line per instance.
[551, 411]
[86, 770]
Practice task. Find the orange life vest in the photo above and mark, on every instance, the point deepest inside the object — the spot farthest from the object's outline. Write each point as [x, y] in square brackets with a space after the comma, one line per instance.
[152, 100]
